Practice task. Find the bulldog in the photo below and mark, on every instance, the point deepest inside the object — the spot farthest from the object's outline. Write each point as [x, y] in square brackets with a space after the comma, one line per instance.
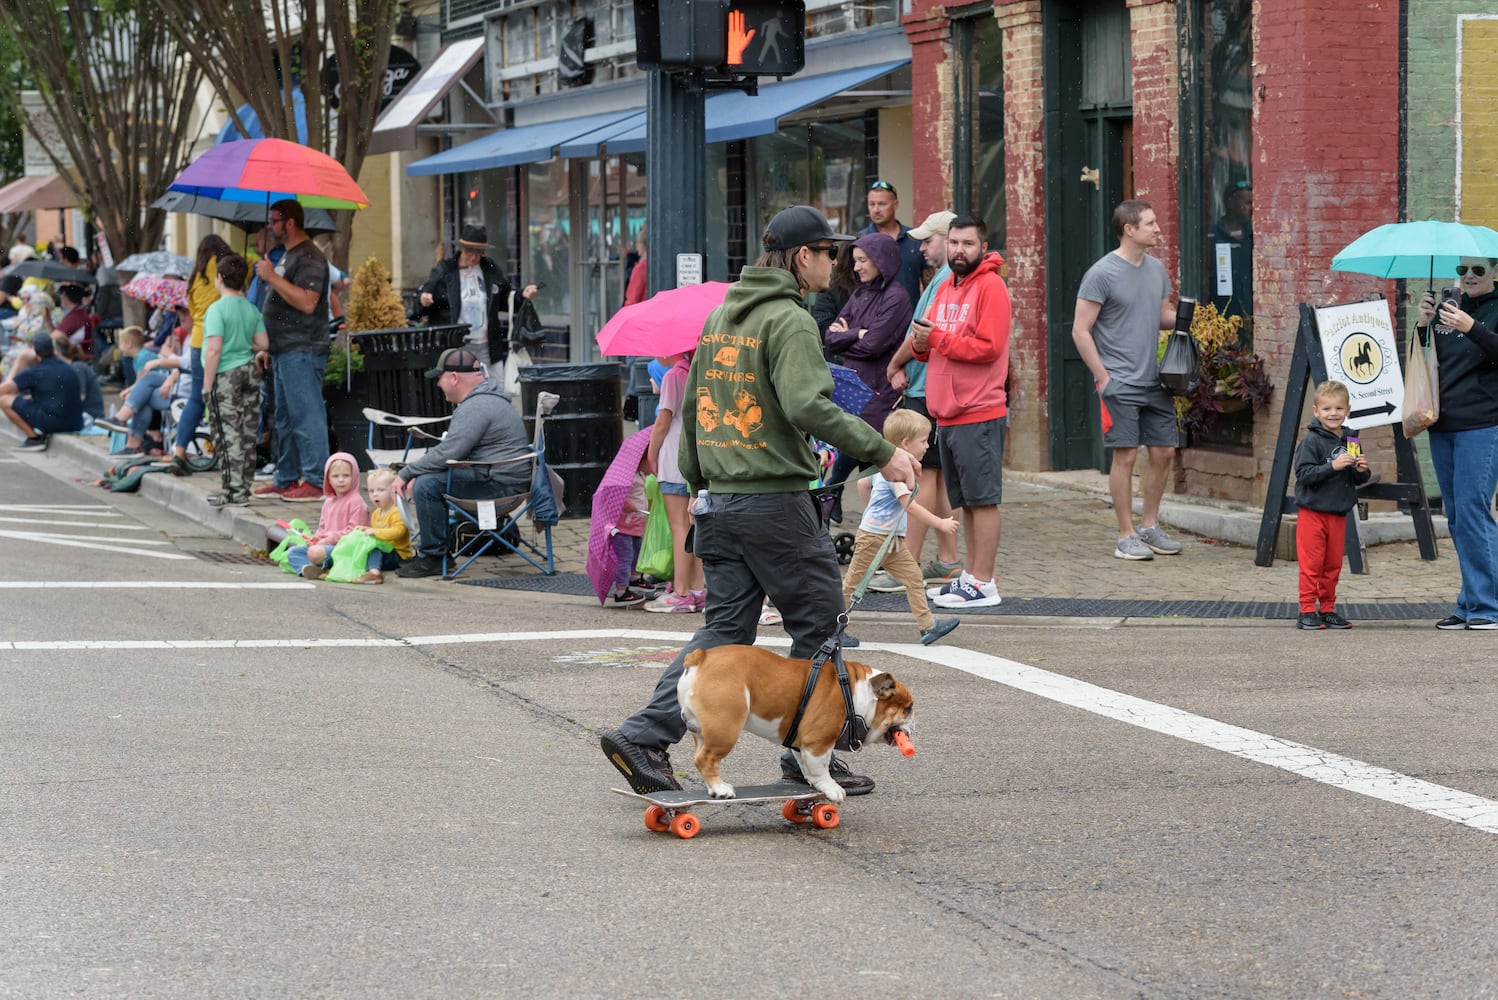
[726, 690]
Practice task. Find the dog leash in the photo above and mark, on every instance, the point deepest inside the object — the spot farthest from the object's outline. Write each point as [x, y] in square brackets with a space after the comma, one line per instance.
[855, 728]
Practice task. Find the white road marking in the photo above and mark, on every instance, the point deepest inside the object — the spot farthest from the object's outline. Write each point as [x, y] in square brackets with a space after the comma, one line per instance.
[150, 585]
[75, 541]
[75, 524]
[1305, 761]
[60, 508]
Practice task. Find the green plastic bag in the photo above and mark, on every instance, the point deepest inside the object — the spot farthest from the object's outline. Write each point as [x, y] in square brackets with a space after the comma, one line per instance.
[657, 556]
[297, 533]
[351, 556]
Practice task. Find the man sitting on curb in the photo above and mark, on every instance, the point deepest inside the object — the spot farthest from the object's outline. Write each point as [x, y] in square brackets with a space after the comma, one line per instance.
[484, 428]
[54, 404]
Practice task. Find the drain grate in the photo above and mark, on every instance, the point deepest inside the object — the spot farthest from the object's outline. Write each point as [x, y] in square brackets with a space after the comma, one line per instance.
[235, 558]
[577, 585]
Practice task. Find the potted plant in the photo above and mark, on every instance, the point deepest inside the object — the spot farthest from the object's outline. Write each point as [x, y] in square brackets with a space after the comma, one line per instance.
[372, 305]
[1233, 377]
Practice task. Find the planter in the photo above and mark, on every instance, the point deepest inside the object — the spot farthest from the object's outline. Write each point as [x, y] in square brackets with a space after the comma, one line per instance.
[348, 430]
[394, 376]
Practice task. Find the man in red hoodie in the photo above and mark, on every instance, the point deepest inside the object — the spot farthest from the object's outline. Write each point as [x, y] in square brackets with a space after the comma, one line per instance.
[965, 344]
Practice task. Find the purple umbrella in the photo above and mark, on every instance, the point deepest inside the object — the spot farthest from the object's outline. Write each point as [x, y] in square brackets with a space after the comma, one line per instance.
[848, 390]
[608, 504]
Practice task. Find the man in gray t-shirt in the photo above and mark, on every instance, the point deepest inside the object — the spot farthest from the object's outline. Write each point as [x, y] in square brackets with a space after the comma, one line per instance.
[1122, 306]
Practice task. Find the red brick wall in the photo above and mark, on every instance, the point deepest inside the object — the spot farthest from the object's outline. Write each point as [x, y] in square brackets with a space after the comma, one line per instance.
[1157, 103]
[1028, 446]
[1325, 166]
[931, 107]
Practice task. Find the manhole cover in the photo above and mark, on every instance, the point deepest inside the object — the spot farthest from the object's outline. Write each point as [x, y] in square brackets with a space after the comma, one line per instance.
[237, 558]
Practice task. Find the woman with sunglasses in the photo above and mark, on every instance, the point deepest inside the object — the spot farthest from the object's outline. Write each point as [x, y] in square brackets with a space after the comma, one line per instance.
[1464, 441]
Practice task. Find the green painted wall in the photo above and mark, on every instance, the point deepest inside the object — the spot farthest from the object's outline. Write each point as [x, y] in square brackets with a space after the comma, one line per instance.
[1452, 54]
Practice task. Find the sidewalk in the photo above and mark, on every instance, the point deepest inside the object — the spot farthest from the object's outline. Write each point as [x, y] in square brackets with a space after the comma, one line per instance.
[1055, 555]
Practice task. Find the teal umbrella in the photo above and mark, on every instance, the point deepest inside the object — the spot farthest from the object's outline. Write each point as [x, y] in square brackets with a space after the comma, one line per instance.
[1416, 249]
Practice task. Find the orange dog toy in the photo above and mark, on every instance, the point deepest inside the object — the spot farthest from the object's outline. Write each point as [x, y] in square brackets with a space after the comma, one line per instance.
[902, 740]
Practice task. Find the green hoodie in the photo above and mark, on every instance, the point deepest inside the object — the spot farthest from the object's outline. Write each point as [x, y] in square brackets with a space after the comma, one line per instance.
[759, 389]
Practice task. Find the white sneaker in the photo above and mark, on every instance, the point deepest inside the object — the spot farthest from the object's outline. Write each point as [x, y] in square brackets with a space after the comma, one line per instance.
[969, 595]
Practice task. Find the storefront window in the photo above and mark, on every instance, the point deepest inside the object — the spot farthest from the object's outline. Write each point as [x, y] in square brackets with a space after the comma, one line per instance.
[819, 164]
[481, 202]
[1227, 138]
[988, 194]
[550, 237]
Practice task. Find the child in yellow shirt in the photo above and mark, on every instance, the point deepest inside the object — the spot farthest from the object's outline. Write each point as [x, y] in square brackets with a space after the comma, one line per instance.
[386, 525]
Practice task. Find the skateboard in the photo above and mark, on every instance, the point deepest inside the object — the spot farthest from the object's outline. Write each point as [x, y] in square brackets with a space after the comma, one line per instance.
[668, 809]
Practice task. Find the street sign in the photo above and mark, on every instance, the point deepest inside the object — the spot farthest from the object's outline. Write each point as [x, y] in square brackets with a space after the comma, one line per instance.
[766, 37]
[688, 269]
[1357, 341]
[679, 34]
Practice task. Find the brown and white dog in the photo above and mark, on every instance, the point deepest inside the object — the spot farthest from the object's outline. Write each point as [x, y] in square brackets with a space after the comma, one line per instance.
[726, 690]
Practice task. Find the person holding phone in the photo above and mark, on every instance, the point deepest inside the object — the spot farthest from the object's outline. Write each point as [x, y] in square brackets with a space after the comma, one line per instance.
[1464, 439]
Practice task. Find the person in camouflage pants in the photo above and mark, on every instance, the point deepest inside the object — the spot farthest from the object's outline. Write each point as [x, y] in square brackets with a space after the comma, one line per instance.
[232, 333]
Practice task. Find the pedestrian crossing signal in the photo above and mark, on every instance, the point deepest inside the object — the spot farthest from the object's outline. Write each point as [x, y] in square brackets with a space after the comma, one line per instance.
[766, 37]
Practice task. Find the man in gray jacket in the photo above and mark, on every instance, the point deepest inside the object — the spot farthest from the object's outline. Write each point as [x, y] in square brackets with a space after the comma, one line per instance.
[484, 428]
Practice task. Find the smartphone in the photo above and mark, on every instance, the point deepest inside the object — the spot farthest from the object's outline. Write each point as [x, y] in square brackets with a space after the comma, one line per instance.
[1450, 295]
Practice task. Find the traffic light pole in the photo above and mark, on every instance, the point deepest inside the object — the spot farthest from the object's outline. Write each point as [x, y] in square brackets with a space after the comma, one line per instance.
[675, 173]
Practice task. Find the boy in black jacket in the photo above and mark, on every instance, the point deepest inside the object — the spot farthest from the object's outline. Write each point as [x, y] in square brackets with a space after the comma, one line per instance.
[1327, 475]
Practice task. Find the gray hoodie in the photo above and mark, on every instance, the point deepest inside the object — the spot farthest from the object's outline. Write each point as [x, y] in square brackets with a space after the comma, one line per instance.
[484, 428]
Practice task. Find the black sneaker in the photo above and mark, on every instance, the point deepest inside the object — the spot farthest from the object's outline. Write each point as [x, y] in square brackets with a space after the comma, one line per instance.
[645, 768]
[115, 426]
[38, 443]
[419, 567]
[1482, 624]
[1310, 621]
[853, 784]
[1452, 623]
[1334, 620]
[627, 598]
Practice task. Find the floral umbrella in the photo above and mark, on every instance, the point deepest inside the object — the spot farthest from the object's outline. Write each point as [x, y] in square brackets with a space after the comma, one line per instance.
[157, 291]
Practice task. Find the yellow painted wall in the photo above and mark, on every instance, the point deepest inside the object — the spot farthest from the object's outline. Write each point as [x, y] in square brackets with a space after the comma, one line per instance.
[1479, 112]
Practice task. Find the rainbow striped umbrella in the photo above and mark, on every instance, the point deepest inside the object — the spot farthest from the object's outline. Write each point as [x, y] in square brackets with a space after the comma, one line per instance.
[264, 171]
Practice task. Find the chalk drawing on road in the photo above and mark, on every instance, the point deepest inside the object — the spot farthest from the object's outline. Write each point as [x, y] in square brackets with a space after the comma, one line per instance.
[622, 656]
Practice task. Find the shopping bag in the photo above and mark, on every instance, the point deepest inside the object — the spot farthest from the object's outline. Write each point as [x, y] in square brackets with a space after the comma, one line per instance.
[657, 556]
[297, 533]
[1422, 404]
[351, 556]
[1181, 365]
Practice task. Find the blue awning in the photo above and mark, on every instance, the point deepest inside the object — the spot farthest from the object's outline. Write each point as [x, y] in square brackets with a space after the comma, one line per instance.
[585, 146]
[252, 122]
[735, 115]
[513, 146]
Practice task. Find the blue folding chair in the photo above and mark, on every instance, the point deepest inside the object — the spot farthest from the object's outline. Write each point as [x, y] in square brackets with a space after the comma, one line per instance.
[494, 526]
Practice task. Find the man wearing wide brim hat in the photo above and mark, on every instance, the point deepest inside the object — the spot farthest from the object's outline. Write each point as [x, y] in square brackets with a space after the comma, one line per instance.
[469, 287]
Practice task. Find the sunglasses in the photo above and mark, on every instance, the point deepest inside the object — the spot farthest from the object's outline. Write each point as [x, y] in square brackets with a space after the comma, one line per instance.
[1477, 270]
[830, 251]
[883, 186]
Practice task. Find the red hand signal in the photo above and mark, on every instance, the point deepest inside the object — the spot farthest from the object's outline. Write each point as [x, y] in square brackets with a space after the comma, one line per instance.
[738, 39]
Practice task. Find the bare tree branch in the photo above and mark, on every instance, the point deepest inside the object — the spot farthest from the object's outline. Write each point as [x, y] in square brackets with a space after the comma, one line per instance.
[115, 81]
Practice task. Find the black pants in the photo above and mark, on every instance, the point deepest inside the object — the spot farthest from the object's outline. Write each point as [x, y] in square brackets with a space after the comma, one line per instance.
[752, 545]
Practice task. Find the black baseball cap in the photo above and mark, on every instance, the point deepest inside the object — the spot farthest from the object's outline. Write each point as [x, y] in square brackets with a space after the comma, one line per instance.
[797, 226]
[455, 359]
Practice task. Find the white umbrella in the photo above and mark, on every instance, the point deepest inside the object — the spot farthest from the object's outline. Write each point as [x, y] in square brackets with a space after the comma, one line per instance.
[158, 262]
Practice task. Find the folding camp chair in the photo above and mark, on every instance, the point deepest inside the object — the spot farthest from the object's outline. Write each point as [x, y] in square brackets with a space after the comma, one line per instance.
[494, 525]
[413, 427]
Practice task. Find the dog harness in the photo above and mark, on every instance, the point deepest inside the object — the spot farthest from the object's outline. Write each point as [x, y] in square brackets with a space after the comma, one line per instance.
[855, 728]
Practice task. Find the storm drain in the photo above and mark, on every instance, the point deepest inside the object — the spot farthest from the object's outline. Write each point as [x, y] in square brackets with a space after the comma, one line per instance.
[234, 558]
[577, 585]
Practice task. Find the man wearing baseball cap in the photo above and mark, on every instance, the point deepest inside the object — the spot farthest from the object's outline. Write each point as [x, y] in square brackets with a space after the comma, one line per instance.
[484, 428]
[758, 391]
[41, 396]
[909, 374]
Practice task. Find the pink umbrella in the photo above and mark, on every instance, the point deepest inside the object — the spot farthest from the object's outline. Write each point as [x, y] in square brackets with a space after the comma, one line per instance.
[667, 323]
[608, 504]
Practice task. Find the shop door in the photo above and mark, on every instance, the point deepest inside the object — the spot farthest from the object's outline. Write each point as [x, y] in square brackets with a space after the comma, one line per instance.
[1089, 170]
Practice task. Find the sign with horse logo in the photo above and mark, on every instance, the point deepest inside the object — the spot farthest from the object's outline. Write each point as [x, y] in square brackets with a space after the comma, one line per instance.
[1357, 341]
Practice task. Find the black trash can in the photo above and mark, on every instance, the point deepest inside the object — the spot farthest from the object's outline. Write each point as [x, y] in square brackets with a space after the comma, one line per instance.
[395, 366]
[640, 387]
[584, 432]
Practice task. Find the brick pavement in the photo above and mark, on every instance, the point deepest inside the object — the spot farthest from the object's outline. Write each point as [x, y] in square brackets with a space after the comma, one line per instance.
[1058, 535]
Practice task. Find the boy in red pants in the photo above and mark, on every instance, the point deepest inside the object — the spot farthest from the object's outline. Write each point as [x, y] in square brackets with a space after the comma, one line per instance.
[1328, 471]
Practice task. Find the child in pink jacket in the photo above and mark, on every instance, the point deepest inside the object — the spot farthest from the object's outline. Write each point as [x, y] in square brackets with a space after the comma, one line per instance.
[343, 510]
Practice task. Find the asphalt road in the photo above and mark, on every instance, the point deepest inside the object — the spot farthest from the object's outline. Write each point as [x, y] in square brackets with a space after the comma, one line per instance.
[335, 791]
